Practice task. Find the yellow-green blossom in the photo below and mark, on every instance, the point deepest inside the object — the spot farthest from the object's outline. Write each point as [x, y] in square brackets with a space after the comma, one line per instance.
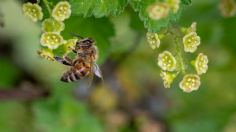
[69, 45]
[46, 54]
[52, 25]
[167, 78]
[153, 40]
[174, 5]
[158, 11]
[190, 82]
[33, 11]
[191, 42]
[227, 8]
[51, 40]
[192, 28]
[167, 61]
[61, 11]
[201, 64]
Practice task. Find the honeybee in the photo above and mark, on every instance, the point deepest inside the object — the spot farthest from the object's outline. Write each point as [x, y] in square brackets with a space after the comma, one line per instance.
[85, 62]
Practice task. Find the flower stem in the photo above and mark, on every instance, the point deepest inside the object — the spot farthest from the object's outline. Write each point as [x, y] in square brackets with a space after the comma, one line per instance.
[175, 31]
[46, 3]
[180, 55]
[38, 1]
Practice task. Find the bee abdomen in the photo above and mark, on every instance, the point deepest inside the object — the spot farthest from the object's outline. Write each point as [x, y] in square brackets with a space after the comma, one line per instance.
[71, 77]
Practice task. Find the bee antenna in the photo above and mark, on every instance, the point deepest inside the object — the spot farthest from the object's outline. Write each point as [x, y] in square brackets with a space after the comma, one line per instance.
[76, 35]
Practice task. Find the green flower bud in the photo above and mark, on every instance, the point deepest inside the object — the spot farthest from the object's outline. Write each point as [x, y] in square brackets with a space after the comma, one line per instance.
[167, 61]
[168, 78]
[46, 54]
[52, 25]
[69, 45]
[32, 11]
[201, 64]
[191, 41]
[192, 28]
[51, 40]
[190, 82]
[153, 40]
[158, 11]
[61, 11]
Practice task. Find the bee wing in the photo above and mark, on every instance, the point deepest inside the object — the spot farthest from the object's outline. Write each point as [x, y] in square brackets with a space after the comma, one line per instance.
[96, 70]
[90, 76]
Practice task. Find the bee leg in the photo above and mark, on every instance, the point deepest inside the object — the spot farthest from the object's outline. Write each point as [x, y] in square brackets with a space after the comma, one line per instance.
[65, 60]
[74, 50]
[76, 35]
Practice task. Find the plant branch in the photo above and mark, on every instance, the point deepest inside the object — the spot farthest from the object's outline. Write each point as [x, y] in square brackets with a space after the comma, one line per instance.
[46, 3]
[26, 92]
[180, 56]
[177, 35]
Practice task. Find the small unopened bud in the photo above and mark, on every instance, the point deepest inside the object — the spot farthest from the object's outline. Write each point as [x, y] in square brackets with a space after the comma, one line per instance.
[46, 54]
[52, 25]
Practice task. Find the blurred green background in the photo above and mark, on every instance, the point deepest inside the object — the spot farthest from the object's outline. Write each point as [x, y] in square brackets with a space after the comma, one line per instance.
[132, 97]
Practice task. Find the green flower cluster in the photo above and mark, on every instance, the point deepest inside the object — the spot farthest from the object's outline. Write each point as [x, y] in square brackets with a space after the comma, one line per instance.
[191, 41]
[173, 64]
[160, 10]
[52, 27]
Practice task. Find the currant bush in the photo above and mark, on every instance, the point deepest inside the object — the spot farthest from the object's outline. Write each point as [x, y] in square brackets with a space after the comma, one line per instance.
[185, 40]
[157, 16]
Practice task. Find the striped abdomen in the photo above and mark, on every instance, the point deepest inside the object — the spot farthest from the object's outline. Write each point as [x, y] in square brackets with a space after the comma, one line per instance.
[79, 71]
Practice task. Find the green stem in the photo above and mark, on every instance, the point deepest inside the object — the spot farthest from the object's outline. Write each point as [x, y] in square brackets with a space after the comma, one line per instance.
[176, 33]
[46, 3]
[38, 1]
[180, 55]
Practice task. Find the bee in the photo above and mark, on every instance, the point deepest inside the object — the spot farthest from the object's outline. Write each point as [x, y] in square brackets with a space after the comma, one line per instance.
[84, 63]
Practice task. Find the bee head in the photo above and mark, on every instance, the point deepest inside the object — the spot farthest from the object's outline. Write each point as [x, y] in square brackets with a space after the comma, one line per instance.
[85, 43]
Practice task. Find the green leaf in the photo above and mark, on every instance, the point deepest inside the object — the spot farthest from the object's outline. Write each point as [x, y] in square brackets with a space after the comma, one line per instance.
[9, 73]
[100, 29]
[136, 23]
[65, 114]
[15, 117]
[186, 2]
[98, 8]
[141, 6]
